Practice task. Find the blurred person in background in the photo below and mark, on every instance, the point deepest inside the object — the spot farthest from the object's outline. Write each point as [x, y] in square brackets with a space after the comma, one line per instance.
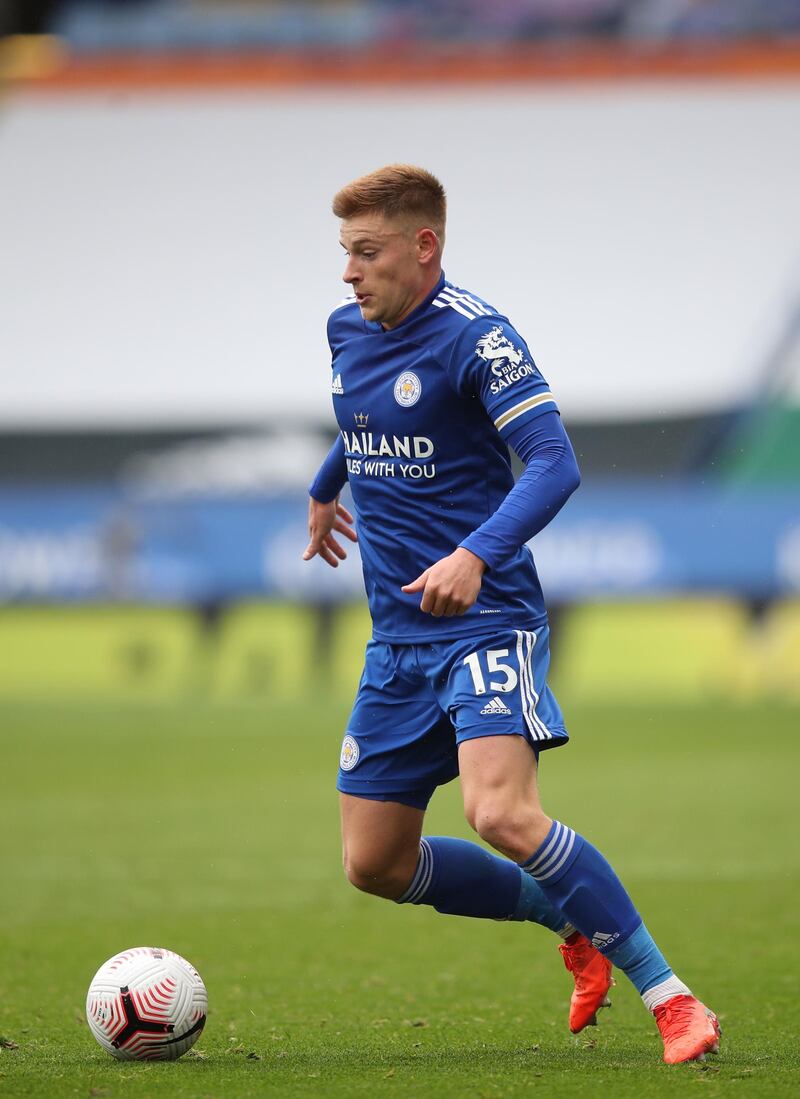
[431, 386]
[26, 16]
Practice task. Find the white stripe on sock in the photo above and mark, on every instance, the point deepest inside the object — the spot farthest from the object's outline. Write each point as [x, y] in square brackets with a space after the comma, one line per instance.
[552, 869]
[542, 856]
[422, 876]
[544, 867]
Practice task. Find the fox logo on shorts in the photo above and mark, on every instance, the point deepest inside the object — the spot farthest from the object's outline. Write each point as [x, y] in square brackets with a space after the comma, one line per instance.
[350, 753]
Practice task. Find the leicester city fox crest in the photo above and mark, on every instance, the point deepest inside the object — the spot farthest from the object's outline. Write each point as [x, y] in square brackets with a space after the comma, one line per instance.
[350, 753]
[407, 389]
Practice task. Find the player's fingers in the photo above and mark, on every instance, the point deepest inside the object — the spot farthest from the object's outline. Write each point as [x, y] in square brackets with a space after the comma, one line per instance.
[337, 547]
[316, 540]
[457, 606]
[431, 602]
[318, 547]
[347, 531]
[447, 607]
[416, 585]
[328, 557]
[345, 514]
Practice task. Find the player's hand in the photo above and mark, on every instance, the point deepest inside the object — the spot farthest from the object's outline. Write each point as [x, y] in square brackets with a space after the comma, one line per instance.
[451, 586]
[323, 519]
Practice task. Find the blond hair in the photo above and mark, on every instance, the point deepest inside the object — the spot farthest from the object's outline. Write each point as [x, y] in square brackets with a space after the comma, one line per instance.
[396, 191]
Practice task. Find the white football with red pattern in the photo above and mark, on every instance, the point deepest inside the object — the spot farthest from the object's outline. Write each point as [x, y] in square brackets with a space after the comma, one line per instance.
[146, 1004]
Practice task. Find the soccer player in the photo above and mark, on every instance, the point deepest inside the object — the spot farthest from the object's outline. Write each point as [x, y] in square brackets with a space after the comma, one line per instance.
[431, 386]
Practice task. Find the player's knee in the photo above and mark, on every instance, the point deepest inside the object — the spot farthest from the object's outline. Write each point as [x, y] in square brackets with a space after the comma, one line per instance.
[507, 828]
[375, 877]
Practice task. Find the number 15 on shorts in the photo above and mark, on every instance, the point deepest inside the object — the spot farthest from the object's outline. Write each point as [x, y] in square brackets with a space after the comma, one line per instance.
[488, 663]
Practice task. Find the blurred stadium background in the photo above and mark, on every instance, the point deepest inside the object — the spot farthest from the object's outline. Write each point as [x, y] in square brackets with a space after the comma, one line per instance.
[623, 182]
[174, 680]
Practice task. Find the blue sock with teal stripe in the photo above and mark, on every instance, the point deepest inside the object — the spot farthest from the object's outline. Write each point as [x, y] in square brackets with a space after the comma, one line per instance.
[576, 878]
[460, 878]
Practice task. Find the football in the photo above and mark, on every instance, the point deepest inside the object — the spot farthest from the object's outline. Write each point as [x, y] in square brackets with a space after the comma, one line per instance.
[146, 1004]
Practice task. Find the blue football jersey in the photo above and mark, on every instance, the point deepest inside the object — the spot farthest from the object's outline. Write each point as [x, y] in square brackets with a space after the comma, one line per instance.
[422, 411]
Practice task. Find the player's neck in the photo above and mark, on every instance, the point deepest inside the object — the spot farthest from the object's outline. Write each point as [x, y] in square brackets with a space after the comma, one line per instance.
[430, 285]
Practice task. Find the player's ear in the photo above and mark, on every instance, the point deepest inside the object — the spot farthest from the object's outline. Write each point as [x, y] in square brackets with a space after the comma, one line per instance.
[427, 245]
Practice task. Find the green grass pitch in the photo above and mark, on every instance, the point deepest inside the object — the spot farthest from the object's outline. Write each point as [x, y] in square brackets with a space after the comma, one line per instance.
[212, 828]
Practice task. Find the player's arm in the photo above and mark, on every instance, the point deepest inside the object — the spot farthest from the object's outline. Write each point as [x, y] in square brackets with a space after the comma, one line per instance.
[325, 513]
[550, 477]
[451, 586]
[525, 414]
[494, 364]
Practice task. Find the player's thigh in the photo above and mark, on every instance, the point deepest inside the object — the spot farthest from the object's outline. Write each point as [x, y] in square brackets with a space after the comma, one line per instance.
[380, 842]
[499, 779]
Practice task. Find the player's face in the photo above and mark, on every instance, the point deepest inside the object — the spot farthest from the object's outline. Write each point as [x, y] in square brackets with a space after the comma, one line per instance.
[383, 267]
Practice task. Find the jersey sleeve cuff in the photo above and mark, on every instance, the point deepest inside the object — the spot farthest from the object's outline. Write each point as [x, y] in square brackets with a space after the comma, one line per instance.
[479, 545]
[325, 489]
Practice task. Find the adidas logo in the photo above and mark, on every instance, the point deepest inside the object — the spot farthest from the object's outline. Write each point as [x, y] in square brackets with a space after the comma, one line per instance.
[336, 386]
[495, 706]
[602, 939]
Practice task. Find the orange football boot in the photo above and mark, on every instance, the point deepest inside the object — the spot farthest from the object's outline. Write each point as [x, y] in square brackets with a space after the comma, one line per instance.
[689, 1029]
[592, 975]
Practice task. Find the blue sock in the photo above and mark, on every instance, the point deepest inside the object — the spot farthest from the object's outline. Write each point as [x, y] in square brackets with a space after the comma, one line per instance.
[460, 878]
[534, 906]
[641, 960]
[576, 878]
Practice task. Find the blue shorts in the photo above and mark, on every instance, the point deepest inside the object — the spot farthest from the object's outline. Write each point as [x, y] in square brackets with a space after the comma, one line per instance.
[417, 703]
